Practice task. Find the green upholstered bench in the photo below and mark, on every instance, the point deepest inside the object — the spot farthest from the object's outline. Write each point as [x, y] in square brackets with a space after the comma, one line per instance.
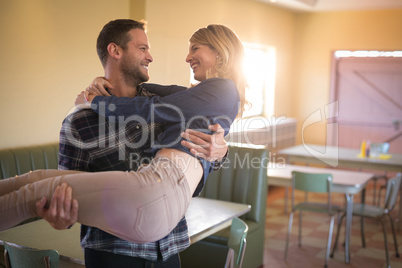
[242, 179]
[20, 160]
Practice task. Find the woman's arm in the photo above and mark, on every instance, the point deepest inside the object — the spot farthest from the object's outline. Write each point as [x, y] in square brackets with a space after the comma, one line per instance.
[102, 87]
[214, 97]
[162, 91]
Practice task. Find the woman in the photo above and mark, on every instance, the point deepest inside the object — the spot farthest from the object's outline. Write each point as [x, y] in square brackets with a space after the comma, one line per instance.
[146, 205]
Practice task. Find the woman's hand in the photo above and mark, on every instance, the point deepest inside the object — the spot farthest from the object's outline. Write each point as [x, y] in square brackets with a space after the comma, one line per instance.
[210, 147]
[84, 99]
[100, 87]
[81, 99]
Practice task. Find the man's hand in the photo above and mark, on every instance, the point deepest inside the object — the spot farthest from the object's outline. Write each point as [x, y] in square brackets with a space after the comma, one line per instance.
[63, 210]
[210, 147]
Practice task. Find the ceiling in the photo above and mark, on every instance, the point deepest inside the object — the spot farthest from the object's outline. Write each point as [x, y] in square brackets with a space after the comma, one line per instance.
[335, 5]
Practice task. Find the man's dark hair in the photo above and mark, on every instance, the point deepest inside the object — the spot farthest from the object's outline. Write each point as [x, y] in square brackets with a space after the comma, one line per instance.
[116, 32]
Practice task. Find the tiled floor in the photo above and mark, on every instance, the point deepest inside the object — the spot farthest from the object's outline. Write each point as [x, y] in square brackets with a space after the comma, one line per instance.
[314, 237]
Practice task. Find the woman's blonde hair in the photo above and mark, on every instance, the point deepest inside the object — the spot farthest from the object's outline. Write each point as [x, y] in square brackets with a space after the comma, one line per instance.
[231, 56]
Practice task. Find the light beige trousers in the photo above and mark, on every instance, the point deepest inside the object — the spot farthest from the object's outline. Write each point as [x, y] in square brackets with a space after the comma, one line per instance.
[141, 207]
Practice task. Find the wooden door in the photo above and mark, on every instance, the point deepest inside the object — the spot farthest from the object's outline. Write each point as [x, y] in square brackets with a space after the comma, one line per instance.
[369, 95]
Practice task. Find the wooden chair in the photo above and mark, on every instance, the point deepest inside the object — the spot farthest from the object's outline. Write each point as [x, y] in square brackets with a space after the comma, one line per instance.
[17, 257]
[312, 183]
[377, 213]
[200, 255]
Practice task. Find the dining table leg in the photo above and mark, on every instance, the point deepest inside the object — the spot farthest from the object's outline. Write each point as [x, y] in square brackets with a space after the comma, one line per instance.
[348, 231]
[400, 209]
[286, 199]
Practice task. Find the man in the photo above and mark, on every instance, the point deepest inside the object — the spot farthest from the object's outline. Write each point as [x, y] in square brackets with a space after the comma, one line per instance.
[90, 142]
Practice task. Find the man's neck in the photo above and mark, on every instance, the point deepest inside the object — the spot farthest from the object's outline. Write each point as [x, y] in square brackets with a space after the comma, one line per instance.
[120, 88]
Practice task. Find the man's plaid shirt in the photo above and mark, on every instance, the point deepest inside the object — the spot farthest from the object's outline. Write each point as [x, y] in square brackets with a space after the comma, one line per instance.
[90, 142]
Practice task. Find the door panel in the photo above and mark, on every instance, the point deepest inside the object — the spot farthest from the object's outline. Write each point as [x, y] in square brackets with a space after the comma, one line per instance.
[369, 94]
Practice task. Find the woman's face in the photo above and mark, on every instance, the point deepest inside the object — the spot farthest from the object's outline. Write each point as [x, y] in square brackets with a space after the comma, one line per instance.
[201, 58]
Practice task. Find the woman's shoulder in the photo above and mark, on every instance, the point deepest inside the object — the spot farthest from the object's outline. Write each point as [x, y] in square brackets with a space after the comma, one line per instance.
[223, 85]
[219, 81]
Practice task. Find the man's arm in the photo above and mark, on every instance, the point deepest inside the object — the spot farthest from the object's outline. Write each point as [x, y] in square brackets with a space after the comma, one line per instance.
[63, 209]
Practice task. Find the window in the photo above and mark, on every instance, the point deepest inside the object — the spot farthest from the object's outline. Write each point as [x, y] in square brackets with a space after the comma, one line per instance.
[260, 68]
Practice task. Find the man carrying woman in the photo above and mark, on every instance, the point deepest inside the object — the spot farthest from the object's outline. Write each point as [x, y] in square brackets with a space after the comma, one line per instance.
[122, 207]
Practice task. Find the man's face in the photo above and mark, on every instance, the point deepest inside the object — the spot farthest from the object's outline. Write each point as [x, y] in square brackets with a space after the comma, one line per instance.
[136, 58]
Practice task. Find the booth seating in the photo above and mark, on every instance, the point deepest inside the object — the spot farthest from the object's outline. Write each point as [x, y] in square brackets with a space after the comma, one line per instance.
[17, 161]
[242, 179]
[21, 160]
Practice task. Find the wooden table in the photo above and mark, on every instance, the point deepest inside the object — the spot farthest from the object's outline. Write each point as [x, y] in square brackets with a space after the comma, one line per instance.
[204, 217]
[346, 182]
[344, 157]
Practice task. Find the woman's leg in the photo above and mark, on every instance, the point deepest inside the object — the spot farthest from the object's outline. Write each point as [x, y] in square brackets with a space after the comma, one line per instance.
[141, 206]
[14, 183]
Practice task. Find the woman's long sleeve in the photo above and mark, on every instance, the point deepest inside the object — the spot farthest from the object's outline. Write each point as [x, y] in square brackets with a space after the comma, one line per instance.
[212, 98]
[162, 90]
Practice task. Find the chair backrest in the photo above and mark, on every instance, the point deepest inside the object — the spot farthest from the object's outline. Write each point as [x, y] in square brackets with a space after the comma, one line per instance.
[312, 182]
[391, 194]
[237, 241]
[17, 257]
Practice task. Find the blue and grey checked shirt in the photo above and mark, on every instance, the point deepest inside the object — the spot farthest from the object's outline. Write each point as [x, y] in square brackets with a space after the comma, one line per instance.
[89, 142]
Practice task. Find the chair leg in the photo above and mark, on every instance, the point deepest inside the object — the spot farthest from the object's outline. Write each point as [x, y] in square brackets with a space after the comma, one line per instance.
[362, 232]
[6, 259]
[300, 228]
[288, 235]
[337, 235]
[374, 190]
[394, 235]
[385, 243]
[47, 261]
[230, 259]
[331, 229]
[241, 253]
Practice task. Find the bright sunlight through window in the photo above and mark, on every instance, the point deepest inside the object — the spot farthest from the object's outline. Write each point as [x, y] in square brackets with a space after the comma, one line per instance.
[260, 68]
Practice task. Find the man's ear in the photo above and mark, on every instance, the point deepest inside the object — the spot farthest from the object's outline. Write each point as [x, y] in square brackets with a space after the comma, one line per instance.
[114, 50]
